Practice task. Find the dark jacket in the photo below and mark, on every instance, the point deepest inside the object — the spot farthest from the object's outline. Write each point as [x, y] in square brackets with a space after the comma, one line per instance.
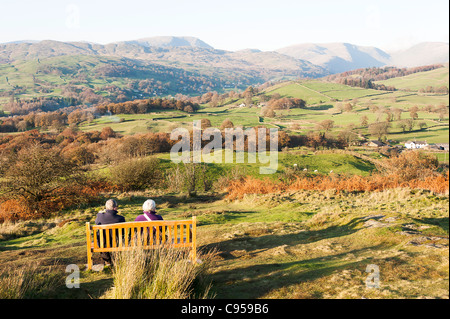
[105, 218]
[109, 217]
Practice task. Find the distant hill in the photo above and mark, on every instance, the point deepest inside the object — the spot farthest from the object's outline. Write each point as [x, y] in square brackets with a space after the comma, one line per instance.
[172, 42]
[421, 54]
[187, 53]
[338, 57]
[341, 57]
[170, 65]
[142, 68]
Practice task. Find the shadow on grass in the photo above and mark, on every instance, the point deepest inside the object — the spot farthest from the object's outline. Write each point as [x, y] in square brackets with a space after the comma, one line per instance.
[273, 240]
[440, 222]
[256, 281]
[320, 107]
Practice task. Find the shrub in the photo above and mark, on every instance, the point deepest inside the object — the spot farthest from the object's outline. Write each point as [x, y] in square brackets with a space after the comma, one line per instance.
[355, 183]
[190, 177]
[410, 165]
[136, 174]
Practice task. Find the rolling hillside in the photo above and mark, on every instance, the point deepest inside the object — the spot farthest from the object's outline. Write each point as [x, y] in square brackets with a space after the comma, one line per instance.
[159, 66]
[421, 80]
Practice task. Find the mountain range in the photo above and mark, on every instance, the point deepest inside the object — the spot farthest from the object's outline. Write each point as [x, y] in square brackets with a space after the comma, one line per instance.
[188, 65]
[302, 60]
[341, 57]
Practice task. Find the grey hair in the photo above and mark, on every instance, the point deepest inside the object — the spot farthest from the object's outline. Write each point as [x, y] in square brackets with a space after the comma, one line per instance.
[149, 206]
[111, 204]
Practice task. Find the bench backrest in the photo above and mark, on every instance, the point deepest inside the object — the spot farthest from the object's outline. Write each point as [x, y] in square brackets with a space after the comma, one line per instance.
[147, 235]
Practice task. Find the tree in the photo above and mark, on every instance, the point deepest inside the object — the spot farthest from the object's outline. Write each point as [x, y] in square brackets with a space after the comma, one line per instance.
[423, 125]
[283, 139]
[364, 121]
[397, 113]
[409, 124]
[347, 107]
[248, 99]
[414, 115]
[35, 174]
[379, 129]
[326, 125]
[188, 109]
[107, 132]
[226, 124]
[315, 139]
[205, 123]
[402, 125]
[267, 112]
[348, 136]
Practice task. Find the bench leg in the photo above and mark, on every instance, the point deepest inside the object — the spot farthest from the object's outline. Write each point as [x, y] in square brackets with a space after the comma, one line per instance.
[88, 245]
[89, 260]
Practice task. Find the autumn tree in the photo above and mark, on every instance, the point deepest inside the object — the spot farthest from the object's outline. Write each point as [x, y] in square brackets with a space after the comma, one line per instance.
[379, 129]
[226, 124]
[325, 125]
[364, 120]
[35, 174]
[397, 113]
[267, 112]
[107, 132]
[205, 123]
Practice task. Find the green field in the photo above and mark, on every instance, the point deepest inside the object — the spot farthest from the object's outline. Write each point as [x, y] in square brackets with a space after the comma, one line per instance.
[322, 99]
[314, 163]
[414, 82]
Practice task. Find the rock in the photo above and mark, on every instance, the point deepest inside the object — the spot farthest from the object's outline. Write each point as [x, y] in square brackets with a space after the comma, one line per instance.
[97, 267]
[374, 223]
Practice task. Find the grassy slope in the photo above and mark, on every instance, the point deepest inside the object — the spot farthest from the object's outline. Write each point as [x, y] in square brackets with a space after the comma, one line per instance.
[414, 82]
[294, 245]
[323, 163]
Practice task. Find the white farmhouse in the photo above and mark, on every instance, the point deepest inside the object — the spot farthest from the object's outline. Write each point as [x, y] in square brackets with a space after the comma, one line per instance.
[416, 144]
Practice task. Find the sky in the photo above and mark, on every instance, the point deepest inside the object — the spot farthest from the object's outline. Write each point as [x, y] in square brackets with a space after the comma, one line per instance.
[230, 24]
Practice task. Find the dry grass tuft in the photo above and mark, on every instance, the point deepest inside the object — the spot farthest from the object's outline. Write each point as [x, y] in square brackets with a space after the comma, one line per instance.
[28, 281]
[160, 273]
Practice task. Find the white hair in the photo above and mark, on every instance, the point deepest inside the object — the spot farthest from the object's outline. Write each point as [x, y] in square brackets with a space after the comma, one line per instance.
[149, 206]
[111, 204]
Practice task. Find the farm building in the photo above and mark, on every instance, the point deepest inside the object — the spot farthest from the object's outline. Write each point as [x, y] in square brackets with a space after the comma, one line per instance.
[416, 144]
[375, 143]
[443, 146]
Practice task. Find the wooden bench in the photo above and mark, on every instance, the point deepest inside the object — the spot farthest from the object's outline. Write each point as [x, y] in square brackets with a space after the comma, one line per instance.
[147, 235]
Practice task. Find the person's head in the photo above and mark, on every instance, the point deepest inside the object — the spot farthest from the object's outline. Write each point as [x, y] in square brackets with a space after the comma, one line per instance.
[111, 204]
[149, 206]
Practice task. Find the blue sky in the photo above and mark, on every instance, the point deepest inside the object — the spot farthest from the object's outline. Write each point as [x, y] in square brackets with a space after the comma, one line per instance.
[230, 24]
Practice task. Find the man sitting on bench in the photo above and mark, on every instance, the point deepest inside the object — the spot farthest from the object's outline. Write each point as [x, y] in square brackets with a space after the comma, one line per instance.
[108, 216]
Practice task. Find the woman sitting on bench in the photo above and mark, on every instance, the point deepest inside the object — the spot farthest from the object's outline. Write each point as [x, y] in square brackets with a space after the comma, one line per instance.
[149, 214]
